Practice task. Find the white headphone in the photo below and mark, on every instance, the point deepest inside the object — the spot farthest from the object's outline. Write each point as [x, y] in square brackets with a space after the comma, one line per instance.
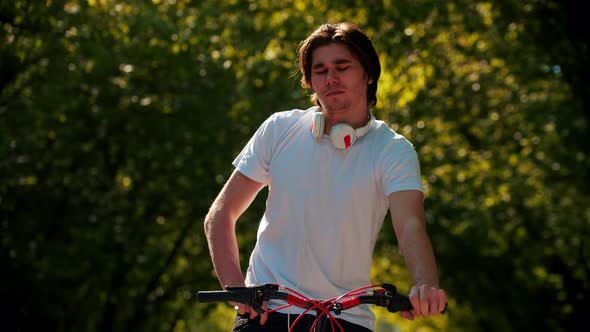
[342, 135]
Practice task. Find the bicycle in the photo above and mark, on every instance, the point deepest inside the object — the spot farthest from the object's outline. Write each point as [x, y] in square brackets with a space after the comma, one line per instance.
[383, 295]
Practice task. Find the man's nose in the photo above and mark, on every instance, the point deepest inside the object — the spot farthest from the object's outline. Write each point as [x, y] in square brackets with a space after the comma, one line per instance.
[332, 76]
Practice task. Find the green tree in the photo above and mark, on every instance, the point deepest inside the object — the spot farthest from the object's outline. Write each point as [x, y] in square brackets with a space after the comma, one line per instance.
[119, 122]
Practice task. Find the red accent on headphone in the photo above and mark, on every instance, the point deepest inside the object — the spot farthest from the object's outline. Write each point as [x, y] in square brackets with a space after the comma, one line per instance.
[347, 141]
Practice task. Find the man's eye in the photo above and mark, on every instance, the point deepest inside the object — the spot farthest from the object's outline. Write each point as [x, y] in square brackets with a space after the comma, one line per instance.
[320, 72]
[342, 68]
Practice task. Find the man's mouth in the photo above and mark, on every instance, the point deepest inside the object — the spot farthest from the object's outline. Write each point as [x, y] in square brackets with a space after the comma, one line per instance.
[334, 93]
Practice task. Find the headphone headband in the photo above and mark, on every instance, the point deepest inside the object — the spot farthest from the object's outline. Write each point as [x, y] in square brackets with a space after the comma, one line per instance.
[360, 132]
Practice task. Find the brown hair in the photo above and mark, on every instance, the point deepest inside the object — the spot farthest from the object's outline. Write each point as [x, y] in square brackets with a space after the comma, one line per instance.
[357, 41]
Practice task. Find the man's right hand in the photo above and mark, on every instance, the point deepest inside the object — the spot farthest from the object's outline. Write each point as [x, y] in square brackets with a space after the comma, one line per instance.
[244, 309]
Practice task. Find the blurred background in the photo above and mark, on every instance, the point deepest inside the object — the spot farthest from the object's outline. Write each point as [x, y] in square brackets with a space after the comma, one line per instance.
[119, 121]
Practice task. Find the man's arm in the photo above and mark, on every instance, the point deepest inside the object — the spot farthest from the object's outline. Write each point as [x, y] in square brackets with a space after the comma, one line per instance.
[235, 197]
[407, 214]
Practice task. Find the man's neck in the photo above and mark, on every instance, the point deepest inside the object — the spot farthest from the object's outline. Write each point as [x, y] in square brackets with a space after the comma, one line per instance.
[355, 118]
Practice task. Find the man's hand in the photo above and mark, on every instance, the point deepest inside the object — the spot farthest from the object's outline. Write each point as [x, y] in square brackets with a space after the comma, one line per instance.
[426, 301]
[244, 309]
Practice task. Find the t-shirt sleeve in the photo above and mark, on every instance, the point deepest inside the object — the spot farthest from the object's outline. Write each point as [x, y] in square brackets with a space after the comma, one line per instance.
[254, 159]
[401, 168]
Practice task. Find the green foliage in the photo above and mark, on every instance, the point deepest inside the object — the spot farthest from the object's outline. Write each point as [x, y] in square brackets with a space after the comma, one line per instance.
[119, 122]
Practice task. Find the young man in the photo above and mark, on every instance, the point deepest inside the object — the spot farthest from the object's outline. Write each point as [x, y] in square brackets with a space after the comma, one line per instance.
[332, 171]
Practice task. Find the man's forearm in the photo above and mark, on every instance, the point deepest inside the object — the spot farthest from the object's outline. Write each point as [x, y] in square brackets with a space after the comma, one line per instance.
[237, 194]
[223, 248]
[417, 250]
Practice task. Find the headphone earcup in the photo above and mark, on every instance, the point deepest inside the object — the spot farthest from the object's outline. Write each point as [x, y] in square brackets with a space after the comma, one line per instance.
[342, 136]
[317, 125]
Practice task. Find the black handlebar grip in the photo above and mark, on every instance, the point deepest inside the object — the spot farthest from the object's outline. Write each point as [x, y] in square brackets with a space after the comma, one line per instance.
[217, 296]
[399, 303]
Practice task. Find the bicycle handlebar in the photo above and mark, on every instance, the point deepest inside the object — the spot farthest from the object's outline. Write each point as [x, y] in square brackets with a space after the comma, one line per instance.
[384, 295]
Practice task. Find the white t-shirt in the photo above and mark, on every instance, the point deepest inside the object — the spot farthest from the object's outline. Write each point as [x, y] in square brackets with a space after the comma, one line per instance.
[325, 206]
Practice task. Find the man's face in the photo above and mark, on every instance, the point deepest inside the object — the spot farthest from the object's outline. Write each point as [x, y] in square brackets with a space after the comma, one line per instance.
[338, 79]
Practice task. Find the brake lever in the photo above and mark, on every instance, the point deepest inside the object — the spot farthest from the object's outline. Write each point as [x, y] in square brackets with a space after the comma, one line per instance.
[255, 296]
[397, 302]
